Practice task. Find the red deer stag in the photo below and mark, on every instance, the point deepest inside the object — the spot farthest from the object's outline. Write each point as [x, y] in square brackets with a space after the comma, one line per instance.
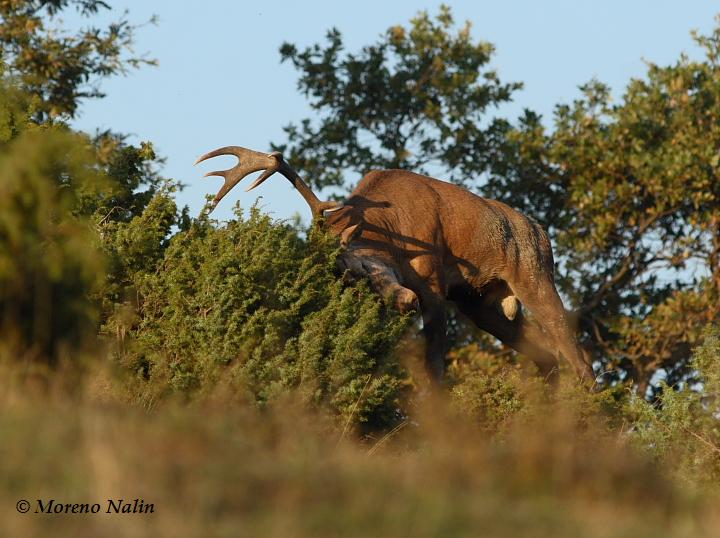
[422, 241]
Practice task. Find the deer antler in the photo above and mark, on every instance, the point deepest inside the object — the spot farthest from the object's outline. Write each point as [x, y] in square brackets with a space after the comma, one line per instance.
[253, 161]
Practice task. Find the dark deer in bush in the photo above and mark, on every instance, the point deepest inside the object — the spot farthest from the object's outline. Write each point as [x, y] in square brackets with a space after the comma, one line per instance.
[422, 241]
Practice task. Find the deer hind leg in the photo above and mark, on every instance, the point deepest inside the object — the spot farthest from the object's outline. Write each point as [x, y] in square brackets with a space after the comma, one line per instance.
[518, 333]
[546, 306]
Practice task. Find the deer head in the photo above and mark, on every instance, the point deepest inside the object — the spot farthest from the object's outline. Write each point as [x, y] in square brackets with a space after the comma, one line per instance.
[357, 260]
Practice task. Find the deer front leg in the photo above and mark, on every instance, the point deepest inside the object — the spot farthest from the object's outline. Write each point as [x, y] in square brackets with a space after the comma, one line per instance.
[434, 328]
[385, 282]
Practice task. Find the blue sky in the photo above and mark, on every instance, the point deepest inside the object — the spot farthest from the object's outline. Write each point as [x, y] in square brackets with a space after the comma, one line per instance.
[220, 82]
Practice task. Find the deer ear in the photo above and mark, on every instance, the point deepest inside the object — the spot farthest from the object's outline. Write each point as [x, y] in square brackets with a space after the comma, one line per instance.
[350, 233]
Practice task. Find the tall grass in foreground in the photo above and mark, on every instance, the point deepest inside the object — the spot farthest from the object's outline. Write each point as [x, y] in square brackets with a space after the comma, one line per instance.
[566, 465]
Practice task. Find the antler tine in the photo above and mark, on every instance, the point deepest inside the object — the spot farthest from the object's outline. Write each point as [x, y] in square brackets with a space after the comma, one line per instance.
[253, 161]
[249, 161]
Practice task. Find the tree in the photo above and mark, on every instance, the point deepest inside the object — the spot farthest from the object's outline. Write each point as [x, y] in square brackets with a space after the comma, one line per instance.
[57, 70]
[60, 188]
[415, 99]
[49, 260]
[62, 68]
[631, 195]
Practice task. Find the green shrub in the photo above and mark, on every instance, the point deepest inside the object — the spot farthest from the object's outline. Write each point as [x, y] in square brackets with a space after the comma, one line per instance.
[251, 309]
[485, 388]
[682, 428]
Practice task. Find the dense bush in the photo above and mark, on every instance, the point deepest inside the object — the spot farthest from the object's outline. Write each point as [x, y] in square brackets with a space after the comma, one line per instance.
[250, 308]
[682, 428]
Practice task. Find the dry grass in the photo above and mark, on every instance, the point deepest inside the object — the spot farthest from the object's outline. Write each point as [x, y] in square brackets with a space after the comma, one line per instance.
[218, 470]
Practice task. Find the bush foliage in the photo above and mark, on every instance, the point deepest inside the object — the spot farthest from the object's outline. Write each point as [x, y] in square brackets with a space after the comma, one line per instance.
[253, 307]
